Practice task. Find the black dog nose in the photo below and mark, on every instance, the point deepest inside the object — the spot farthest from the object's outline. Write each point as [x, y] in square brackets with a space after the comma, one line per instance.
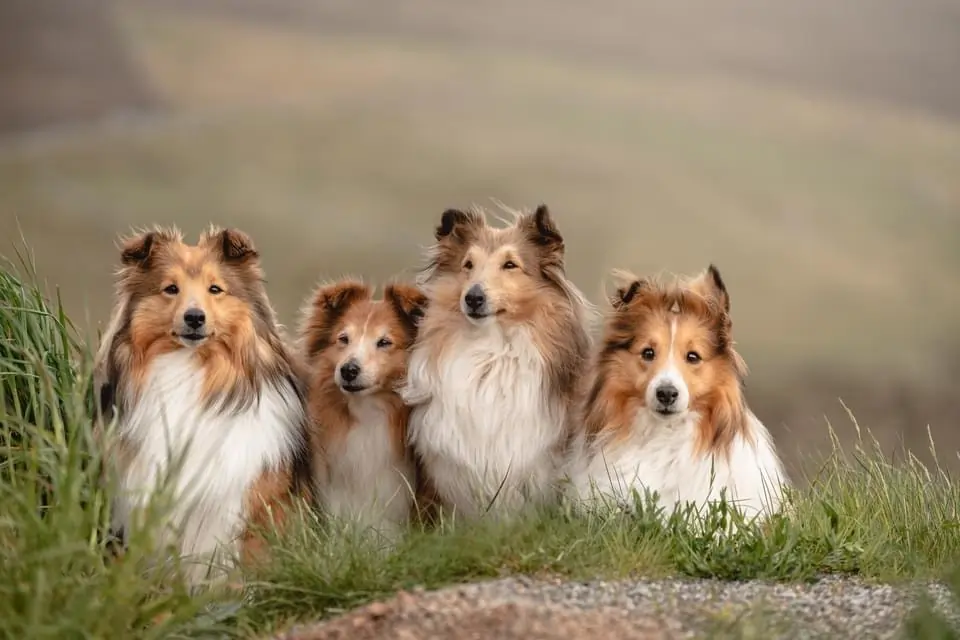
[349, 371]
[475, 298]
[194, 318]
[667, 394]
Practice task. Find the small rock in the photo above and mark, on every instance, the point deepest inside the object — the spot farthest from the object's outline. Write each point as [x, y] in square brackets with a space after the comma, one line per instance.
[378, 610]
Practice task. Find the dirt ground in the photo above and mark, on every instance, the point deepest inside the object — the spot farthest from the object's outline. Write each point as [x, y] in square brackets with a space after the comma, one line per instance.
[810, 149]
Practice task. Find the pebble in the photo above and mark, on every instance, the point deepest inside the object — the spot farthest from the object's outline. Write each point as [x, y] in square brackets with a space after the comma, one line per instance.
[532, 609]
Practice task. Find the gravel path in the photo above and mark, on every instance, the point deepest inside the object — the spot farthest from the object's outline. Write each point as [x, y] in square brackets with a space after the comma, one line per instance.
[519, 608]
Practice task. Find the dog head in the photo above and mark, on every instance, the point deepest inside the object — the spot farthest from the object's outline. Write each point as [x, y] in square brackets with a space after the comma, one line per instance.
[360, 342]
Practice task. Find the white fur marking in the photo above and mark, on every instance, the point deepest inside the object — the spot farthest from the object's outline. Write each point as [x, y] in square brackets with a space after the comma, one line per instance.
[367, 482]
[216, 456]
[659, 455]
[481, 417]
[670, 374]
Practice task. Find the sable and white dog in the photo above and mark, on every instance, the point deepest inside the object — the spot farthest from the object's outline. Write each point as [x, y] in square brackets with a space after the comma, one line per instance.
[357, 350]
[207, 401]
[493, 373]
[666, 410]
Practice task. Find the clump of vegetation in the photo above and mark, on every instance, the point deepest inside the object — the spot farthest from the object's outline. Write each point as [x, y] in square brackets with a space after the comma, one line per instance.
[929, 622]
[57, 580]
[859, 514]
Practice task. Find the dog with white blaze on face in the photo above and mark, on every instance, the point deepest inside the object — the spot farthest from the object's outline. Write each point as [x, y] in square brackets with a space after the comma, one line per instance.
[494, 372]
[666, 411]
[203, 398]
[357, 349]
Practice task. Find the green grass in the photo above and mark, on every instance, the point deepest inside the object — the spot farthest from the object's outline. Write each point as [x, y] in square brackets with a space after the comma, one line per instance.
[859, 514]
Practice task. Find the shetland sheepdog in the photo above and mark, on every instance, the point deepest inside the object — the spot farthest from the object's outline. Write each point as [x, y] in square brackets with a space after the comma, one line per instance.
[666, 410]
[356, 349]
[204, 399]
[494, 371]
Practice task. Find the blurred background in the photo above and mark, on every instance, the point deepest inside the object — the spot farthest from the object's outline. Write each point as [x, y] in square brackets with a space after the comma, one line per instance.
[810, 149]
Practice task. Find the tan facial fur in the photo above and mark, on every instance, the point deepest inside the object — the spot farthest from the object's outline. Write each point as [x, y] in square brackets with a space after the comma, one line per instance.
[519, 271]
[510, 266]
[669, 338]
[344, 328]
[166, 287]
[347, 327]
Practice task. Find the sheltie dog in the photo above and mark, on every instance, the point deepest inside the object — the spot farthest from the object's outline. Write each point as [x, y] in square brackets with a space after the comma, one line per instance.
[357, 349]
[208, 403]
[494, 371]
[666, 410]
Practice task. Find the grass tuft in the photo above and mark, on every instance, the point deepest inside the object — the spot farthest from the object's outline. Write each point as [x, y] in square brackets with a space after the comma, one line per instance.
[56, 579]
[928, 622]
[859, 513]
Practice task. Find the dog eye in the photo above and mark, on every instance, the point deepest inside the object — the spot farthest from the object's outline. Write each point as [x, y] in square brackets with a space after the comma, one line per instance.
[343, 338]
[214, 289]
[468, 265]
[383, 343]
[172, 290]
[648, 354]
[693, 357]
[509, 264]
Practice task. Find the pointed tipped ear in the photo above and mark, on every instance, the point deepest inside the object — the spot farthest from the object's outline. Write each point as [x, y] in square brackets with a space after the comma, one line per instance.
[711, 285]
[236, 246]
[454, 223]
[628, 287]
[546, 232]
[409, 302]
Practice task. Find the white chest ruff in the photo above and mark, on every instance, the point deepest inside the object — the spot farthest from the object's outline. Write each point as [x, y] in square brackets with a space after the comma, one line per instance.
[367, 480]
[206, 460]
[482, 423]
[660, 457]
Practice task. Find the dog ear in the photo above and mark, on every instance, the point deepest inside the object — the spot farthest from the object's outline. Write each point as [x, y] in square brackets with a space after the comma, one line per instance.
[337, 297]
[410, 304]
[454, 224]
[138, 250]
[236, 247]
[327, 306]
[625, 295]
[453, 234]
[544, 230]
[541, 231]
[628, 286]
[710, 285]
[718, 288]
